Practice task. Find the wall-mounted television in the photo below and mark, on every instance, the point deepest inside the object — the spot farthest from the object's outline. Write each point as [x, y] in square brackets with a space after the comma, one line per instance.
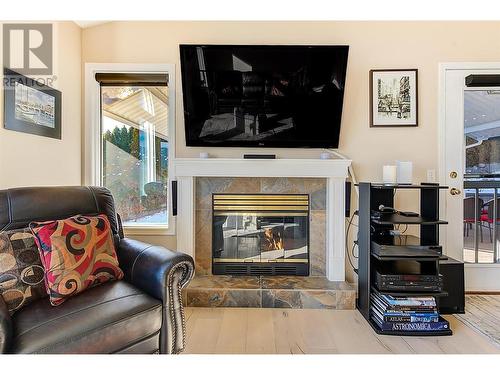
[263, 95]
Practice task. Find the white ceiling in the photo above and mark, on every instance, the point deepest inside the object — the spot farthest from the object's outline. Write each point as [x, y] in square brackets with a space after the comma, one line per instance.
[86, 24]
[482, 113]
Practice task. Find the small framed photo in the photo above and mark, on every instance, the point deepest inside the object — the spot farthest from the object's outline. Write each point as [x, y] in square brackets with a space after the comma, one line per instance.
[30, 106]
[394, 97]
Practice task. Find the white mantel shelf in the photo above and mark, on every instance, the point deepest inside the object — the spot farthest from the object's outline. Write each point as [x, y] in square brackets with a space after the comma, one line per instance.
[213, 167]
[334, 170]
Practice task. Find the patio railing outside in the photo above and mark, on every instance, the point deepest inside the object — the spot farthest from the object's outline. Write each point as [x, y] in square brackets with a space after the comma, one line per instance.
[481, 220]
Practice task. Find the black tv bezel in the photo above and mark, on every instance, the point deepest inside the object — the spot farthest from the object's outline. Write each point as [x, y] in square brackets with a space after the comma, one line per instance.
[258, 144]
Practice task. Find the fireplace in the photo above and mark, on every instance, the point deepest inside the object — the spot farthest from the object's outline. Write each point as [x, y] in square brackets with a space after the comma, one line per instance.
[260, 234]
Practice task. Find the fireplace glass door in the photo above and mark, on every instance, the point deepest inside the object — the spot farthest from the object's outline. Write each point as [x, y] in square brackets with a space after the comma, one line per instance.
[260, 234]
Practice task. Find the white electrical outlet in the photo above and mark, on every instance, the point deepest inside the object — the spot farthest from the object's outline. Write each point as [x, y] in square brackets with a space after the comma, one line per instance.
[431, 175]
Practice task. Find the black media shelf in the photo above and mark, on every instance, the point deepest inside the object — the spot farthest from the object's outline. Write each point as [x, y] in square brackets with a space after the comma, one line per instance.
[410, 294]
[405, 186]
[406, 256]
[389, 219]
[379, 250]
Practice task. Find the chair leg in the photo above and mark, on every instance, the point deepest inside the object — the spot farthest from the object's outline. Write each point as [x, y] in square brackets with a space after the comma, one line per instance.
[491, 234]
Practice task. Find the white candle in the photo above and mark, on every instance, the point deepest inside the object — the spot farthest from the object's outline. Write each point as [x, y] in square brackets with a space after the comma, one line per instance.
[405, 172]
[389, 173]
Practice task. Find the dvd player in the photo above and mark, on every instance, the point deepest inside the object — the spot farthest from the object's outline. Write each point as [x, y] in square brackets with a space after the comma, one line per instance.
[411, 283]
[403, 246]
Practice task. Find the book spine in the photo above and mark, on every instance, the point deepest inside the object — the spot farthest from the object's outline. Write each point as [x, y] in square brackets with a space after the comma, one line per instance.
[408, 309]
[409, 303]
[415, 326]
[411, 319]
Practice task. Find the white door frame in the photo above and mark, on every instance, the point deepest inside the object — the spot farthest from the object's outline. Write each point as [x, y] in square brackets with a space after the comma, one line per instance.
[478, 277]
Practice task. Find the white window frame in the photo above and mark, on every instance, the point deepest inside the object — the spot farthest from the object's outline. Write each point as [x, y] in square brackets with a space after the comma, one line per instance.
[92, 132]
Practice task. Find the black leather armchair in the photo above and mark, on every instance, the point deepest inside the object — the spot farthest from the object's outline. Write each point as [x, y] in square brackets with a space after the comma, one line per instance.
[141, 314]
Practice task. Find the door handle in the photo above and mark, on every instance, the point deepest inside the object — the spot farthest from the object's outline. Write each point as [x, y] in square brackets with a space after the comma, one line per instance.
[455, 191]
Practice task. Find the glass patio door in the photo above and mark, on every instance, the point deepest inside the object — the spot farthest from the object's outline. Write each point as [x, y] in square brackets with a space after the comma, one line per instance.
[481, 212]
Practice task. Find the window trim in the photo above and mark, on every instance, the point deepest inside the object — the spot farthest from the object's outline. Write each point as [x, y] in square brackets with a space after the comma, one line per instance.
[92, 135]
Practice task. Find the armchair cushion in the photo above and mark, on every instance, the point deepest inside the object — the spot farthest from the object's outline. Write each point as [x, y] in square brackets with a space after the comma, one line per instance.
[161, 273]
[110, 318]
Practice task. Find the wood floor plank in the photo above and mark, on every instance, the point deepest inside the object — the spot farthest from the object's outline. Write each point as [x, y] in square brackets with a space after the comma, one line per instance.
[260, 332]
[202, 331]
[482, 315]
[352, 333]
[295, 331]
[233, 331]
[315, 337]
[288, 338]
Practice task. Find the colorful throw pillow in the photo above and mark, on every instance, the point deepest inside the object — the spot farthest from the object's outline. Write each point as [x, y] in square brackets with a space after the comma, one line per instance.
[77, 253]
[21, 272]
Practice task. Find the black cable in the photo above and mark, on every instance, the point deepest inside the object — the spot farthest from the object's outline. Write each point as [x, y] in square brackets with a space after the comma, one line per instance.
[350, 262]
[347, 239]
[352, 250]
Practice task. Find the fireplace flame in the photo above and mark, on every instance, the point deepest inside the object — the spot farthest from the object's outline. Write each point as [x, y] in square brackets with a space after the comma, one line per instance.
[274, 241]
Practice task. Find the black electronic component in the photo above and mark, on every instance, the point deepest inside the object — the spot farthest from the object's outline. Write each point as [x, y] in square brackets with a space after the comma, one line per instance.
[259, 156]
[174, 198]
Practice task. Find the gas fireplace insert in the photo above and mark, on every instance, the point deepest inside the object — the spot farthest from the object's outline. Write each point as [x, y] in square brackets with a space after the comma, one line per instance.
[260, 234]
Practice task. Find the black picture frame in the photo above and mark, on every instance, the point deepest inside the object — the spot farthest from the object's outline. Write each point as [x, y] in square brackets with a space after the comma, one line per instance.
[17, 115]
[413, 82]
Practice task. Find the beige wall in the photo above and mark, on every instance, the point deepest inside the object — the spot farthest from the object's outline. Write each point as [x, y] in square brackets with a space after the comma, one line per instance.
[373, 45]
[31, 160]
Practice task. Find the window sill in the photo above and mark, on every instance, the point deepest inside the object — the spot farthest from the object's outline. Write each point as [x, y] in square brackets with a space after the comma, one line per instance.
[148, 231]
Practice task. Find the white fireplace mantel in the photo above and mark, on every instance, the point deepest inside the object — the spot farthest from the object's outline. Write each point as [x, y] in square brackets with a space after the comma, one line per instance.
[334, 170]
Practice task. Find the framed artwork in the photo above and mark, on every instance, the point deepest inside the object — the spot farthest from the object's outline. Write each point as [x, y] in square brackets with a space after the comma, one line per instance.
[30, 106]
[393, 97]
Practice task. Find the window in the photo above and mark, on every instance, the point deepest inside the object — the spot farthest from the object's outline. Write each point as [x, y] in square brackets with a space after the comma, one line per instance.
[482, 132]
[134, 146]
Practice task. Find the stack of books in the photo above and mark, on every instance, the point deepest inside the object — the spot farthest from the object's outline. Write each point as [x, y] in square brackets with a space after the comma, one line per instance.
[392, 313]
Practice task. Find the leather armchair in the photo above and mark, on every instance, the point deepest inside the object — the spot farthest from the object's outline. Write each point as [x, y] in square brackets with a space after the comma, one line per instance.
[168, 273]
[141, 314]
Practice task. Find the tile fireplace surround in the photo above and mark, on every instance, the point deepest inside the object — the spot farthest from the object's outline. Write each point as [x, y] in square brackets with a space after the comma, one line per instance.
[323, 180]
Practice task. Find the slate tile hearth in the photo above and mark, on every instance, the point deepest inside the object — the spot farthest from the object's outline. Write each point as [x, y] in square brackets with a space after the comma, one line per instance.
[314, 292]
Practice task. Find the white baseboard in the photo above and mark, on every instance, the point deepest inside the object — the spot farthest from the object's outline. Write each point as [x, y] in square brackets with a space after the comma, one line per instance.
[482, 277]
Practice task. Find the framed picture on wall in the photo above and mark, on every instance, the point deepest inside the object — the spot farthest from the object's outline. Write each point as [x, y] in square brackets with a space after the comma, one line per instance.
[30, 106]
[394, 97]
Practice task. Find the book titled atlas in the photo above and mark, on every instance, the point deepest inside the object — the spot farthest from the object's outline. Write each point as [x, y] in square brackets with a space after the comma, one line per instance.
[412, 318]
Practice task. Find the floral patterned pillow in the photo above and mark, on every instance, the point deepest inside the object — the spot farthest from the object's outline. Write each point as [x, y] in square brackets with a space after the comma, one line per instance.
[76, 253]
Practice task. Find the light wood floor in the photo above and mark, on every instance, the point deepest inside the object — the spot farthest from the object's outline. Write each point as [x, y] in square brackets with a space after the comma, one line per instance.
[270, 331]
[482, 313]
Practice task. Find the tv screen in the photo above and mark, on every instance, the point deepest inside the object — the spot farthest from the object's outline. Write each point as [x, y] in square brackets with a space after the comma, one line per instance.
[263, 96]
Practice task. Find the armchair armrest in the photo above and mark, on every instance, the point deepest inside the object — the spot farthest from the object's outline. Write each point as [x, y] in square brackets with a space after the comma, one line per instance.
[161, 273]
[5, 327]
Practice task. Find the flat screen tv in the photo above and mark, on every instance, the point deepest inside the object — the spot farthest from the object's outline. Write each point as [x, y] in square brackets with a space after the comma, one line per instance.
[263, 96]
